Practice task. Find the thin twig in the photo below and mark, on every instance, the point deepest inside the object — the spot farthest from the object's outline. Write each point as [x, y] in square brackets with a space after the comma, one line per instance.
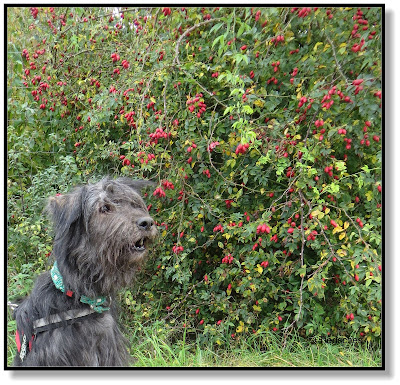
[175, 305]
[303, 241]
[336, 60]
[178, 42]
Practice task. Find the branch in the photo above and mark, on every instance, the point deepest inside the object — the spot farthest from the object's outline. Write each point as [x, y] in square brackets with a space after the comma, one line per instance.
[165, 98]
[336, 60]
[178, 42]
[175, 305]
[303, 241]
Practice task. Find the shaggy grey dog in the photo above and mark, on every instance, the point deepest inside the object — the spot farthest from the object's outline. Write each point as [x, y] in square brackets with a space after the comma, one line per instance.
[102, 235]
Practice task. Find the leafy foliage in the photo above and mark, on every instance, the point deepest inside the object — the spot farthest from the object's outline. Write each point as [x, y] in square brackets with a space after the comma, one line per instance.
[262, 127]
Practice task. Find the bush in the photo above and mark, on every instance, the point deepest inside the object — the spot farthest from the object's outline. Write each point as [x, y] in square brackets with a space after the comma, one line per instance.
[262, 127]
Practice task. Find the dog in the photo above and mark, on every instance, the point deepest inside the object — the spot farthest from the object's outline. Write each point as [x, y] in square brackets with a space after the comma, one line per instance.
[103, 232]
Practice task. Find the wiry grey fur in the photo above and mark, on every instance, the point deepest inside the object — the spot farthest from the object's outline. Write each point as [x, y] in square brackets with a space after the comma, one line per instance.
[102, 235]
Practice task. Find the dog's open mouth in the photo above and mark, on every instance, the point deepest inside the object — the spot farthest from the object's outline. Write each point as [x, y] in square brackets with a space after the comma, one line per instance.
[140, 245]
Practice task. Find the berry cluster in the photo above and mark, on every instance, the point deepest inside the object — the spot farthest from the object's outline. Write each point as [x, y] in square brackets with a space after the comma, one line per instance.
[142, 157]
[212, 146]
[312, 235]
[241, 148]
[158, 134]
[115, 57]
[278, 39]
[125, 64]
[159, 192]
[263, 229]
[228, 259]
[166, 11]
[168, 185]
[276, 65]
[34, 12]
[177, 249]
[303, 12]
[197, 102]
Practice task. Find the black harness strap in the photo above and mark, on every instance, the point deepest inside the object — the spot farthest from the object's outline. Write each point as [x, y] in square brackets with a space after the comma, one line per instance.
[55, 321]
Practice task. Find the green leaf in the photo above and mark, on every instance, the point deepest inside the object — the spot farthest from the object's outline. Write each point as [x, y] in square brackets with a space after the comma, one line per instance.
[219, 39]
[369, 195]
[247, 109]
[216, 27]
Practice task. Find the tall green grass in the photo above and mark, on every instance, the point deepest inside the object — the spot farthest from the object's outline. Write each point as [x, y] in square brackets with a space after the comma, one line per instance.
[154, 346]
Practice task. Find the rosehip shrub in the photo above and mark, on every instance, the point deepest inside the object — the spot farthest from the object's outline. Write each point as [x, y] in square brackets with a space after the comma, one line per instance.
[261, 127]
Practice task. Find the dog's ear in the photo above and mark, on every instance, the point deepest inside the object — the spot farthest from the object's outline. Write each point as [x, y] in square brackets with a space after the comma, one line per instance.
[65, 210]
[136, 184]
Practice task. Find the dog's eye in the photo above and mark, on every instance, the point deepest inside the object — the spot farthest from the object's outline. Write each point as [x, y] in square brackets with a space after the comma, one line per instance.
[105, 208]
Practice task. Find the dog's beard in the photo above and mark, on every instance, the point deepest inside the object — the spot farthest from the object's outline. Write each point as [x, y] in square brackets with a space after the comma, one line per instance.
[123, 258]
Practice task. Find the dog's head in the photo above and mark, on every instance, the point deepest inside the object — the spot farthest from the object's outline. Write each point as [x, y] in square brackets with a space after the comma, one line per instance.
[103, 229]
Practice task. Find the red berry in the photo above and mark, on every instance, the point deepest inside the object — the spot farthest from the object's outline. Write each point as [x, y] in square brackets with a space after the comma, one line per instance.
[357, 82]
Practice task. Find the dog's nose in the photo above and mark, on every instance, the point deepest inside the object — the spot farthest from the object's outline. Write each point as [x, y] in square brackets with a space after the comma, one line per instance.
[145, 223]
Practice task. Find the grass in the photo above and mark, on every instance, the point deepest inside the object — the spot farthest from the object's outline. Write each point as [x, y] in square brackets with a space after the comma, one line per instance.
[155, 346]
[151, 347]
